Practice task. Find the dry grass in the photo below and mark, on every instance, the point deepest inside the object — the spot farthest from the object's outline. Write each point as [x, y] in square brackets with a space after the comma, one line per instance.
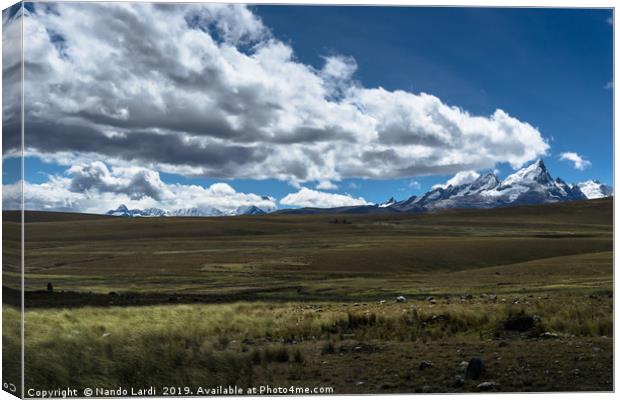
[224, 344]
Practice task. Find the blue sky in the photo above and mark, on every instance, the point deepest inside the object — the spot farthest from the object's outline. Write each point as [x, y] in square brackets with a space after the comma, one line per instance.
[549, 69]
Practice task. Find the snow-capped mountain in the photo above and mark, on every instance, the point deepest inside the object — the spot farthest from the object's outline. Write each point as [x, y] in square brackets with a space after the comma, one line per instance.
[595, 189]
[123, 211]
[533, 185]
[195, 212]
[530, 185]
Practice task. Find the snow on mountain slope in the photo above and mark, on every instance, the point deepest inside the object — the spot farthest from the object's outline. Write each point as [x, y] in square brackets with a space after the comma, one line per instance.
[388, 203]
[123, 211]
[532, 174]
[593, 189]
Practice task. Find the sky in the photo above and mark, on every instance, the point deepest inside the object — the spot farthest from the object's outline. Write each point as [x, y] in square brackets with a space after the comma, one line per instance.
[292, 106]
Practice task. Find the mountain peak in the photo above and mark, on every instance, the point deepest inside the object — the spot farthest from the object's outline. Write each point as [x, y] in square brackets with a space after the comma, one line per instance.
[388, 203]
[536, 172]
[538, 166]
[489, 176]
[251, 210]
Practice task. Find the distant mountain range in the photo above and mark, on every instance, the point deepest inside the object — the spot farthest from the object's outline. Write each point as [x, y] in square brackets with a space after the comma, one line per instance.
[123, 211]
[530, 185]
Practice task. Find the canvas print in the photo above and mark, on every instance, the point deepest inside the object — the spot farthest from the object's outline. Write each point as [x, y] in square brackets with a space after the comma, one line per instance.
[215, 199]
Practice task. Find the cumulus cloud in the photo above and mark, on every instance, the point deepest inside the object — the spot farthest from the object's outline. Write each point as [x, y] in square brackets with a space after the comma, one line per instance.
[95, 188]
[136, 183]
[578, 161]
[207, 90]
[313, 198]
[460, 178]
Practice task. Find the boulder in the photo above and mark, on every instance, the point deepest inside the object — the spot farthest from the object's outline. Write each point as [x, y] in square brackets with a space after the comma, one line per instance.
[401, 299]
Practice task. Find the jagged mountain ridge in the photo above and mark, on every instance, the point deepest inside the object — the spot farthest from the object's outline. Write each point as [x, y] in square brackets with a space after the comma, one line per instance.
[530, 185]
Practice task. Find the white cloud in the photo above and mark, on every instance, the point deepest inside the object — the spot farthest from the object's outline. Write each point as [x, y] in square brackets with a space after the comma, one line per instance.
[96, 189]
[460, 178]
[326, 185]
[313, 198]
[135, 182]
[578, 161]
[339, 67]
[609, 85]
[207, 90]
[414, 184]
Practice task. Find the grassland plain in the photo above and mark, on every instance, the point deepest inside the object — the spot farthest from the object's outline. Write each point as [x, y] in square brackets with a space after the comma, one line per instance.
[310, 300]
